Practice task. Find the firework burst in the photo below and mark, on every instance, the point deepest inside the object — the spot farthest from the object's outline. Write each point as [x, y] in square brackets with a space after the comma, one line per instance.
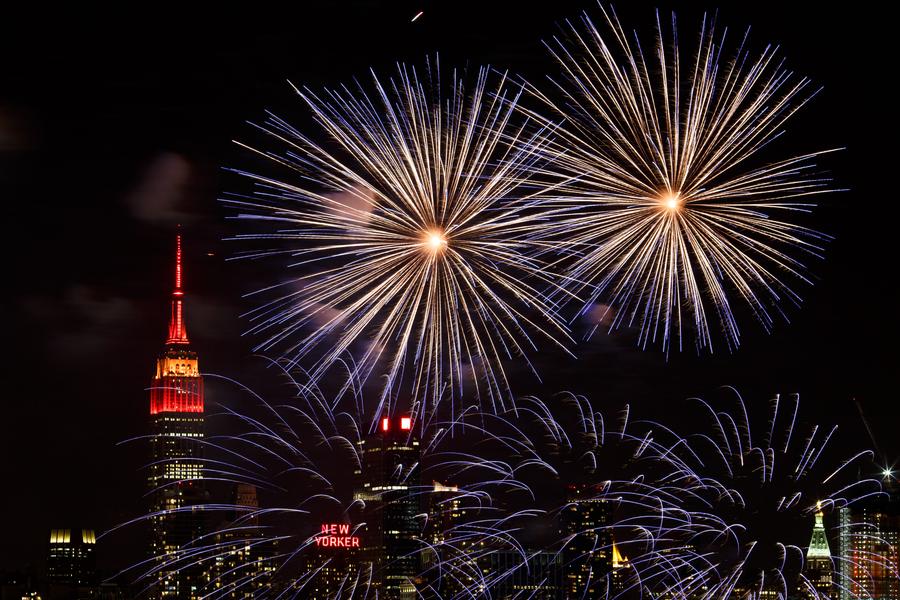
[414, 231]
[675, 217]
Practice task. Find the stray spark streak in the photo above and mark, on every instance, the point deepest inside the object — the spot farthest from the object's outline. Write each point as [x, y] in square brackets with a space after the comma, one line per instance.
[415, 233]
[674, 215]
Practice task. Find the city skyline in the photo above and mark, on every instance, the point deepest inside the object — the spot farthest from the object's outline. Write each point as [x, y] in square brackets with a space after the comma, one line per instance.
[87, 309]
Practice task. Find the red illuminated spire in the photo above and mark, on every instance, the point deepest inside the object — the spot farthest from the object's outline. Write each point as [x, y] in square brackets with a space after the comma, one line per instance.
[177, 330]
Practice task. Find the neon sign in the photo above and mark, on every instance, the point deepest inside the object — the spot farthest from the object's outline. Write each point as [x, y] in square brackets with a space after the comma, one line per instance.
[336, 535]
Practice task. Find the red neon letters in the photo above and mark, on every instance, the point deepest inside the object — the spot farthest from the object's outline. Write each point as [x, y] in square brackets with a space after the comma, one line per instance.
[336, 535]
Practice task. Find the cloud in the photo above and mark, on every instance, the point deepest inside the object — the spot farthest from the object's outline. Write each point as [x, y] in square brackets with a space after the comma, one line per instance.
[82, 323]
[359, 201]
[16, 131]
[599, 314]
[161, 190]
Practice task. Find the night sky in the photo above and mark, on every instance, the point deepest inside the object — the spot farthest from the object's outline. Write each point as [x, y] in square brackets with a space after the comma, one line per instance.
[115, 126]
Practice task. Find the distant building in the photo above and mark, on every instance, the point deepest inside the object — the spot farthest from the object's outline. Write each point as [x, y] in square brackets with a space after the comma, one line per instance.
[621, 571]
[19, 586]
[868, 539]
[388, 484]
[455, 560]
[72, 560]
[818, 569]
[176, 468]
[588, 553]
[243, 563]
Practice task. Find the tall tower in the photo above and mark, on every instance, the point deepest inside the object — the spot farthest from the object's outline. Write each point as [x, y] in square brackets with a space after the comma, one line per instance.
[818, 569]
[176, 466]
[588, 555]
[456, 568]
[389, 486]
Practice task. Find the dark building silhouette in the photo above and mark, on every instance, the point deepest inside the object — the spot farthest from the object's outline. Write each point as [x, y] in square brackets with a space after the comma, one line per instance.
[72, 565]
[176, 468]
[389, 485]
[537, 575]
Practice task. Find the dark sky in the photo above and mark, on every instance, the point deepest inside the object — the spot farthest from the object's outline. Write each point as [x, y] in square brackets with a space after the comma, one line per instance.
[114, 126]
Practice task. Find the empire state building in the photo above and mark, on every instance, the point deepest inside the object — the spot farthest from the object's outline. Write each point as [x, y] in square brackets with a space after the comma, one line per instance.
[176, 467]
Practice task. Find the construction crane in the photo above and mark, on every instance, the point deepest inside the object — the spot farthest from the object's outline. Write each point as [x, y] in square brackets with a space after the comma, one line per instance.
[887, 473]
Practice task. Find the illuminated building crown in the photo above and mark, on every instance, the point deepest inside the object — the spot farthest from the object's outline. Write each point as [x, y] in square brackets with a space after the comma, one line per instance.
[177, 330]
[177, 384]
[818, 545]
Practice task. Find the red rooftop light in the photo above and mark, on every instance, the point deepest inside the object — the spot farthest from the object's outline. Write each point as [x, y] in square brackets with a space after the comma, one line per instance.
[385, 424]
[177, 329]
[405, 423]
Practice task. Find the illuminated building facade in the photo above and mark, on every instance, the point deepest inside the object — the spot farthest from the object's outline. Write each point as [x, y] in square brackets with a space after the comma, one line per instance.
[389, 485]
[176, 466]
[587, 557]
[819, 579]
[242, 566]
[72, 560]
[338, 572]
[452, 569]
[869, 537]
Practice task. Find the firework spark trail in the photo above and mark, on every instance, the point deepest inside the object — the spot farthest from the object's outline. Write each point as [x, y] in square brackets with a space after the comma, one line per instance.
[673, 219]
[570, 443]
[293, 450]
[679, 506]
[761, 484]
[415, 232]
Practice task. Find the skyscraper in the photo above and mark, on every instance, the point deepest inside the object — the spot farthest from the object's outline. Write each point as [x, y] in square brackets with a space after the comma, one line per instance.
[455, 560]
[819, 579]
[389, 485]
[868, 541]
[176, 466]
[242, 566]
[587, 557]
[71, 560]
